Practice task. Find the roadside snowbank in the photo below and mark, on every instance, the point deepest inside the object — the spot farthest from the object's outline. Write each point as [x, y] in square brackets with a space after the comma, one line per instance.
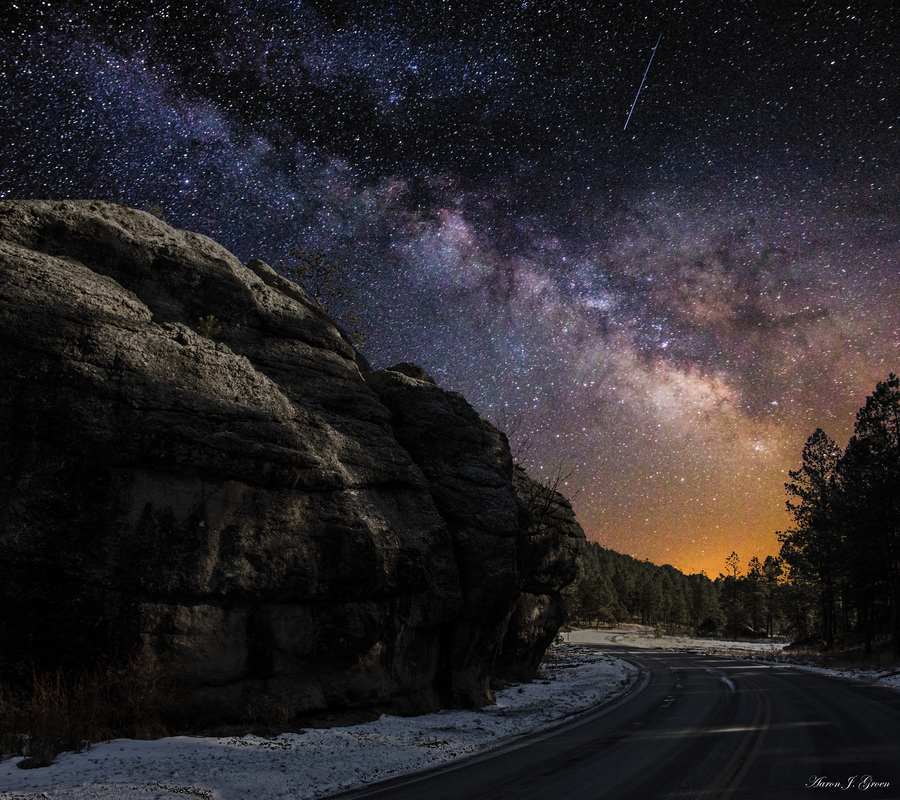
[317, 762]
[637, 637]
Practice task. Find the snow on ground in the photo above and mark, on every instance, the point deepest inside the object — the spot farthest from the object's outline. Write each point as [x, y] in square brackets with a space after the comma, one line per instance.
[883, 677]
[643, 637]
[317, 762]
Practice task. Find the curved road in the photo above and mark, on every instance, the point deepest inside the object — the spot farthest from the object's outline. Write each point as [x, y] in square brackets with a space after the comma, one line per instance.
[692, 726]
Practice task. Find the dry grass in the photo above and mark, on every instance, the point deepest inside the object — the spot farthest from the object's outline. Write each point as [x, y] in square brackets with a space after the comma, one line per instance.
[138, 699]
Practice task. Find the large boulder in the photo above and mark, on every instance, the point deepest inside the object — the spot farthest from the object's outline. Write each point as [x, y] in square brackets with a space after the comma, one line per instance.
[468, 466]
[260, 508]
[548, 557]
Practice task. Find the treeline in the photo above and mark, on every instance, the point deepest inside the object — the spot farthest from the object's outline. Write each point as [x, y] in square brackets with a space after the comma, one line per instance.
[844, 546]
[837, 573]
[612, 588]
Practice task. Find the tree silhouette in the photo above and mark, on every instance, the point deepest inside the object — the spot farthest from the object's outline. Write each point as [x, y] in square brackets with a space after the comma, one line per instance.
[323, 275]
[845, 543]
[732, 562]
[870, 478]
[813, 547]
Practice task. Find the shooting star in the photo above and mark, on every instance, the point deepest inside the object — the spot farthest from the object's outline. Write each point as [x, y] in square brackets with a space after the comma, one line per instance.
[642, 83]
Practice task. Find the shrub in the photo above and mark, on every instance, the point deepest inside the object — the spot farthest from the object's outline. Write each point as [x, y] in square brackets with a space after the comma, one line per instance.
[156, 211]
[324, 276]
[138, 699]
[209, 326]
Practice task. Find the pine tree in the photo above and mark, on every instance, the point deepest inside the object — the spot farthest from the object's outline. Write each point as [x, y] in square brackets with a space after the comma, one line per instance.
[813, 548]
[870, 477]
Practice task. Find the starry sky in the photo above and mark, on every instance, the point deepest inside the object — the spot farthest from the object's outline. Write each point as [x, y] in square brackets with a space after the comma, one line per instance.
[665, 311]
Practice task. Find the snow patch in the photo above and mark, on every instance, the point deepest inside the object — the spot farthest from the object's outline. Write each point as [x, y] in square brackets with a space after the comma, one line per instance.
[317, 762]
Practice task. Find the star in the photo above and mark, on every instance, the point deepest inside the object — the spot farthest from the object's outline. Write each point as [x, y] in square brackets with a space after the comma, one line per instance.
[670, 315]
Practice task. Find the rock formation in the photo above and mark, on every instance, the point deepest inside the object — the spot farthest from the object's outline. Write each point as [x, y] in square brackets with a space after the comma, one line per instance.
[260, 508]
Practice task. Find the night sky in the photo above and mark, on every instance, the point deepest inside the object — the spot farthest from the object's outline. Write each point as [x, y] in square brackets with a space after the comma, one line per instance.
[669, 310]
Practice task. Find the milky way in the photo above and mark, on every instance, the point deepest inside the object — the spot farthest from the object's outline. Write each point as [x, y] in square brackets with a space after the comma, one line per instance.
[666, 311]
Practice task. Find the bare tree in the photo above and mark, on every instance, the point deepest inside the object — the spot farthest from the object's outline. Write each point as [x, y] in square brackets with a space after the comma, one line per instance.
[548, 505]
[520, 443]
[733, 562]
[322, 274]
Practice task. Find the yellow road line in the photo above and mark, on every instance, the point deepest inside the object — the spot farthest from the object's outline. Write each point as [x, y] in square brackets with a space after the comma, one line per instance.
[730, 777]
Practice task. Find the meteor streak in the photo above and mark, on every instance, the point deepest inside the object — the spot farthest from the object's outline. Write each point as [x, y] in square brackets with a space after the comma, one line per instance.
[642, 83]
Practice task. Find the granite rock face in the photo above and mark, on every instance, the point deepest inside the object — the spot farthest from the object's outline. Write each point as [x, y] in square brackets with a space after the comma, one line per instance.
[260, 508]
[548, 554]
[467, 464]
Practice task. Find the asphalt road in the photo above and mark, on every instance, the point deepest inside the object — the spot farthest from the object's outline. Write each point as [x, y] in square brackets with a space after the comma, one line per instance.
[693, 726]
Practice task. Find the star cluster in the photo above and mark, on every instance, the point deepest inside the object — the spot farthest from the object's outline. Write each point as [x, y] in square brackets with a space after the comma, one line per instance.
[666, 312]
